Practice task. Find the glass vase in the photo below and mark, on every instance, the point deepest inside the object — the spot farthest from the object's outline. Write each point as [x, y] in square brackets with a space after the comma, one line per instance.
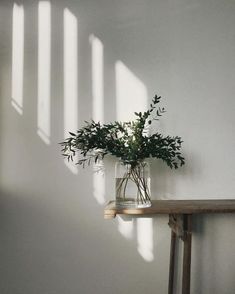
[132, 184]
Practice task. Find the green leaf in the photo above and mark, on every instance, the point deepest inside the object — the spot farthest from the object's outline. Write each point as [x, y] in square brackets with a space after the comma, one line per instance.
[72, 134]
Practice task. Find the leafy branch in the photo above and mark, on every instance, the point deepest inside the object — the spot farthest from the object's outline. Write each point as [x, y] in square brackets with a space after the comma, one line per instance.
[127, 141]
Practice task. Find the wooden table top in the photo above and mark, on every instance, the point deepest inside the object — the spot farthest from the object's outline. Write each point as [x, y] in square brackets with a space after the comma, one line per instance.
[173, 207]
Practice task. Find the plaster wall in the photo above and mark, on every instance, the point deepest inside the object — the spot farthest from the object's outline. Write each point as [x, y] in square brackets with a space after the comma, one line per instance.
[53, 238]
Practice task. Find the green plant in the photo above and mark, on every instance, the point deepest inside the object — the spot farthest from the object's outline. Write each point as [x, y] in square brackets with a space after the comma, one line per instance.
[128, 141]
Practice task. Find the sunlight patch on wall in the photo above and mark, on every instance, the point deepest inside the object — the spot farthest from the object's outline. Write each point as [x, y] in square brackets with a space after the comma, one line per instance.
[99, 183]
[145, 238]
[44, 71]
[97, 62]
[125, 226]
[70, 78]
[131, 96]
[17, 57]
[131, 93]
[97, 76]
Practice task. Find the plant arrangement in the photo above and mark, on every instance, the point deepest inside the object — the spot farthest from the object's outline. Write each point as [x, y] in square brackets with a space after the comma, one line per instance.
[129, 142]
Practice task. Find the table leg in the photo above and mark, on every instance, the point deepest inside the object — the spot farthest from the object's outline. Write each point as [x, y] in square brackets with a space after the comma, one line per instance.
[187, 254]
[172, 263]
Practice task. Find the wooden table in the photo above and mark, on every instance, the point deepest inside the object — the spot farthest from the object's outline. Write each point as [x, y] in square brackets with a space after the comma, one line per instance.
[180, 221]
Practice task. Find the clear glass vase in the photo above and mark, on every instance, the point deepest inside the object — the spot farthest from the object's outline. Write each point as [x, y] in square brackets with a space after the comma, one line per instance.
[132, 184]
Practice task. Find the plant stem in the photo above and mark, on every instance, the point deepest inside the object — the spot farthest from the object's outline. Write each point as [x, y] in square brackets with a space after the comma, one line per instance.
[135, 174]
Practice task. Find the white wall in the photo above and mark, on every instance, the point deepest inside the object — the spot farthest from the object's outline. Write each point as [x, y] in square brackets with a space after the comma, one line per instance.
[53, 239]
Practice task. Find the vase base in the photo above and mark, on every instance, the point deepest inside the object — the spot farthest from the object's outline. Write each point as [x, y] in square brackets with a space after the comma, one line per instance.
[132, 204]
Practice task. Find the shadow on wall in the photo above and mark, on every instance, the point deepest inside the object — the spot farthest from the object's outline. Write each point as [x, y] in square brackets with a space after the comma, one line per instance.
[101, 76]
